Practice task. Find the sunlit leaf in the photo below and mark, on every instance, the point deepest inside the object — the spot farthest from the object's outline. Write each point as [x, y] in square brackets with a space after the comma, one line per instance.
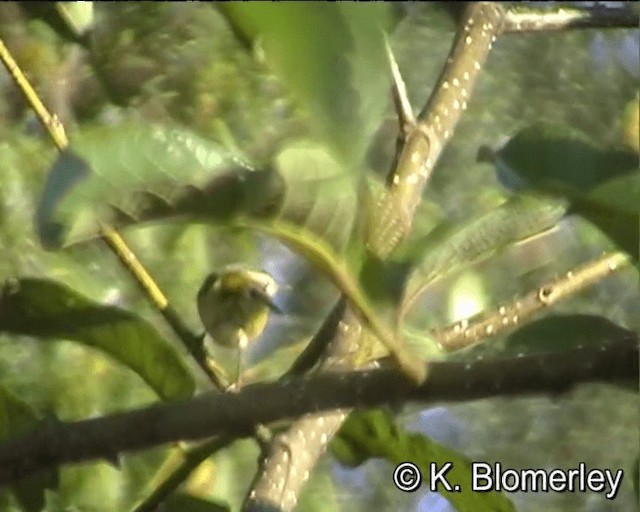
[332, 58]
[373, 434]
[46, 309]
[451, 247]
[139, 171]
[16, 417]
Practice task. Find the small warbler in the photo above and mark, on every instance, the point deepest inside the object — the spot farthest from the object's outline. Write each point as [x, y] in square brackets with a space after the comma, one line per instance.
[234, 305]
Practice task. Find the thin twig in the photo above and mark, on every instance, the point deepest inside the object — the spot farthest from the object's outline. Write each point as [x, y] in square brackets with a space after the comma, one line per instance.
[469, 331]
[114, 241]
[51, 122]
[414, 162]
[526, 19]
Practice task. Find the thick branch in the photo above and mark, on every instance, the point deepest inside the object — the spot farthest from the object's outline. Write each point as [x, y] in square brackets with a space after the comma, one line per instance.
[425, 140]
[235, 414]
[279, 482]
[307, 438]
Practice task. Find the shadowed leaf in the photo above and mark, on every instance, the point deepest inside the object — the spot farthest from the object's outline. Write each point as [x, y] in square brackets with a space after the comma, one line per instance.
[374, 434]
[49, 310]
[603, 184]
[16, 417]
[332, 58]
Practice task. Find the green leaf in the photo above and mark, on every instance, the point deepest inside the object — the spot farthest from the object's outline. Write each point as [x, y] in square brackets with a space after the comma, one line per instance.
[621, 193]
[188, 503]
[614, 207]
[142, 172]
[320, 194]
[49, 310]
[563, 332]
[78, 15]
[332, 58]
[559, 159]
[373, 434]
[16, 417]
[326, 260]
[452, 247]
[603, 184]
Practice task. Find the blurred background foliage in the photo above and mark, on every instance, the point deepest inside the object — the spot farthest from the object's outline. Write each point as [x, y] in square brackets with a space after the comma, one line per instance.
[183, 63]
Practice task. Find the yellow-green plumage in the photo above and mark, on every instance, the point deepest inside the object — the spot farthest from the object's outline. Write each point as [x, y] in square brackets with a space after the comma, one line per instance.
[234, 306]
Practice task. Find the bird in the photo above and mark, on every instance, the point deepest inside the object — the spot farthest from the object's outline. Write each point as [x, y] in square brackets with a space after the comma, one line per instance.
[234, 304]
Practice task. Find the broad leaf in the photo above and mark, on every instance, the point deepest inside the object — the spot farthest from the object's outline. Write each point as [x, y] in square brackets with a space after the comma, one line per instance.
[332, 58]
[320, 195]
[563, 332]
[373, 434]
[49, 310]
[142, 172]
[603, 184]
[556, 158]
[450, 247]
[16, 417]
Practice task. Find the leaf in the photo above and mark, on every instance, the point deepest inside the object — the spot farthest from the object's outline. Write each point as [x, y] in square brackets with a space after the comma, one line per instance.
[603, 184]
[320, 194]
[332, 58]
[142, 172]
[452, 247]
[563, 332]
[614, 207]
[558, 159]
[16, 417]
[621, 193]
[49, 310]
[188, 503]
[78, 15]
[371, 434]
[327, 261]
[70, 20]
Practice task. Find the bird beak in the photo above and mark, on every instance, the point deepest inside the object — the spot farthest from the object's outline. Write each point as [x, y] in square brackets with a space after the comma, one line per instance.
[267, 301]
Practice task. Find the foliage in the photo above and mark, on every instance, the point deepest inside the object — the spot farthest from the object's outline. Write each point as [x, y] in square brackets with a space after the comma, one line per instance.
[161, 108]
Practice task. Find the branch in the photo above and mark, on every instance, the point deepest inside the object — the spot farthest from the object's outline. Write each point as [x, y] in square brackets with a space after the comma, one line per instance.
[428, 136]
[279, 481]
[112, 238]
[55, 443]
[525, 19]
[176, 470]
[471, 330]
